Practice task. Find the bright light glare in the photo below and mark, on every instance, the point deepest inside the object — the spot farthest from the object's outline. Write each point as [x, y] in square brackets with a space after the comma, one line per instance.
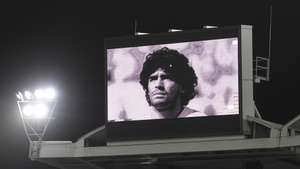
[27, 94]
[39, 94]
[28, 110]
[19, 96]
[50, 93]
[41, 111]
[38, 111]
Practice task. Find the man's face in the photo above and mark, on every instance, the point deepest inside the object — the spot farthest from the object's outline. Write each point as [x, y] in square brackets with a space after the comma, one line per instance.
[162, 90]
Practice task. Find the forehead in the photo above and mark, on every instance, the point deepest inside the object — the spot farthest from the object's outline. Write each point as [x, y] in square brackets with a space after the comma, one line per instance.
[158, 72]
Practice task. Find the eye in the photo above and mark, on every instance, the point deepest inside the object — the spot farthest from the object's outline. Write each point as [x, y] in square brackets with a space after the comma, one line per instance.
[151, 78]
[166, 76]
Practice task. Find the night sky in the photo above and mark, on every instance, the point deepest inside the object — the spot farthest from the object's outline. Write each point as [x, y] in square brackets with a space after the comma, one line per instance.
[60, 44]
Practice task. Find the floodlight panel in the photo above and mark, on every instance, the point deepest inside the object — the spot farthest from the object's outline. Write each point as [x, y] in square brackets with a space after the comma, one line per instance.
[28, 94]
[19, 96]
[50, 93]
[39, 94]
[41, 111]
[35, 110]
[28, 110]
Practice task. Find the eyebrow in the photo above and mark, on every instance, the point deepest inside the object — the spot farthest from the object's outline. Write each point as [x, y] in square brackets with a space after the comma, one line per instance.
[163, 75]
[153, 76]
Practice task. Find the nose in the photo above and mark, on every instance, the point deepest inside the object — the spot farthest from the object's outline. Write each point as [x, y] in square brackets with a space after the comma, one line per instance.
[159, 83]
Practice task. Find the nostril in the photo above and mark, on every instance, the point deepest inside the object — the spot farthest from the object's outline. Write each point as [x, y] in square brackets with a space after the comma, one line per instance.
[159, 87]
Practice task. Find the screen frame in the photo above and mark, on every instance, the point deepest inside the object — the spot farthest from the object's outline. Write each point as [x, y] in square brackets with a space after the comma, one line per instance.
[140, 130]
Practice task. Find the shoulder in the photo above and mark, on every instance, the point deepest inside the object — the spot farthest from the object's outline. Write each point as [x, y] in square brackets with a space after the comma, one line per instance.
[188, 112]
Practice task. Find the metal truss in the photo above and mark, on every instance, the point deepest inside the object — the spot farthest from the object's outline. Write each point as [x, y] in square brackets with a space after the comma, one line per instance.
[270, 145]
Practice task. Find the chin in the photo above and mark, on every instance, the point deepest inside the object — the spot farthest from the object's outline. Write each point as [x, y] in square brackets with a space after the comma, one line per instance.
[160, 105]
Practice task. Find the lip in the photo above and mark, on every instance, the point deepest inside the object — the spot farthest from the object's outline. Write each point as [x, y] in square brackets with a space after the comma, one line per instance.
[159, 93]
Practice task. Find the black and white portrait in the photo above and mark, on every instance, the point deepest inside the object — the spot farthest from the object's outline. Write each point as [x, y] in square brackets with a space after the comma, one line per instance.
[179, 80]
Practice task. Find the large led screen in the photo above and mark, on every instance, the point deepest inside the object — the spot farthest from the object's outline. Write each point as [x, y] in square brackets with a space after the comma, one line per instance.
[173, 80]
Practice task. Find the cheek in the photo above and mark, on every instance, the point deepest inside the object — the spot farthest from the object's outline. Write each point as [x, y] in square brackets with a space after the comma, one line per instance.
[172, 88]
[150, 86]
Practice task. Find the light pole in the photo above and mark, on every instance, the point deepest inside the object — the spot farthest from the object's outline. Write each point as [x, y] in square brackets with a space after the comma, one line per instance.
[36, 110]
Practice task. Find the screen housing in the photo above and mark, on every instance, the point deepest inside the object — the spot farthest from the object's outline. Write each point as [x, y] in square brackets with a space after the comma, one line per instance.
[227, 125]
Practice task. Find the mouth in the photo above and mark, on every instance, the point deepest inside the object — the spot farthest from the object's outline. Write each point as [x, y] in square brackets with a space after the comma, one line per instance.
[158, 96]
[159, 93]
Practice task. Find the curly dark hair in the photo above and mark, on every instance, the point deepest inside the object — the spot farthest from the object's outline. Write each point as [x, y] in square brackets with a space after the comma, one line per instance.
[174, 63]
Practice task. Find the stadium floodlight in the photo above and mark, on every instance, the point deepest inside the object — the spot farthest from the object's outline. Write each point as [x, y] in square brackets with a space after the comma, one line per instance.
[50, 93]
[209, 26]
[174, 30]
[39, 94]
[27, 94]
[20, 96]
[36, 110]
[141, 33]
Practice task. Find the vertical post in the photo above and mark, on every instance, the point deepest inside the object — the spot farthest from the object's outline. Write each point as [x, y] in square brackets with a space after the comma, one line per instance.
[247, 76]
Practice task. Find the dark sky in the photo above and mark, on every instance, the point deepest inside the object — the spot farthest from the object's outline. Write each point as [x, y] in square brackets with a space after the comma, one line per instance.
[60, 44]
